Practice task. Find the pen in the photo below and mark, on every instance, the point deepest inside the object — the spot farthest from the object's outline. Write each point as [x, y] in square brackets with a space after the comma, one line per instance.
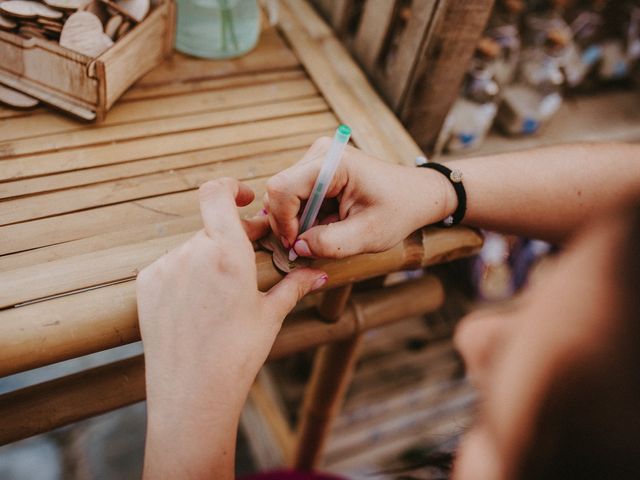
[327, 171]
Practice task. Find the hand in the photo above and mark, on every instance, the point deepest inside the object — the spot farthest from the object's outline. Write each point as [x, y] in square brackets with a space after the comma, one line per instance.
[207, 330]
[380, 204]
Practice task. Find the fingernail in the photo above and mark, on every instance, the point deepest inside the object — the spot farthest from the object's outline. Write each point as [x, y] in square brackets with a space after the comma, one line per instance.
[319, 282]
[285, 242]
[264, 212]
[302, 248]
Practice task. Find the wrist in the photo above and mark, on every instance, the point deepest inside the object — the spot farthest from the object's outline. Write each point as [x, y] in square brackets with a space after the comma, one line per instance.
[438, 197]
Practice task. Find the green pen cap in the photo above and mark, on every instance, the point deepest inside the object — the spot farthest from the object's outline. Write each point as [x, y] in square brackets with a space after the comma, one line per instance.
[343, 133]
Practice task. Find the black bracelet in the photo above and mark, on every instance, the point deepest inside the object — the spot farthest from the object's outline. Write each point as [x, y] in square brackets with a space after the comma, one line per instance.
[455, 177]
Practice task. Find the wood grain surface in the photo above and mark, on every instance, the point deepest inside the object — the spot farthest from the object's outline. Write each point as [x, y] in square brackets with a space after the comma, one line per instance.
[84, 207]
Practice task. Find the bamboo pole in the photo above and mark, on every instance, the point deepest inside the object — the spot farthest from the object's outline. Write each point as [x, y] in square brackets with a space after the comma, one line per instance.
[62, 401]
[79, 324]
[344, 86]
[334, 302]
[333, 368]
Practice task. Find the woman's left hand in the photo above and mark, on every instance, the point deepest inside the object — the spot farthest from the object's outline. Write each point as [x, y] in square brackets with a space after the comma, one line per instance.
[206, 331]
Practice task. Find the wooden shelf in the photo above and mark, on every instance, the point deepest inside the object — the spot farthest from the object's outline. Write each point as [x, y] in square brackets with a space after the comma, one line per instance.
[608, 116]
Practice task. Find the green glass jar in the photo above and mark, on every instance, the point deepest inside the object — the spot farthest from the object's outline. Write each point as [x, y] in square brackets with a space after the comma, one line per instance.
[217, 28]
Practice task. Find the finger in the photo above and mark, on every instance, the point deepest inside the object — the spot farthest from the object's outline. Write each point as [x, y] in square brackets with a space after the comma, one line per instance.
[337, 240]
[331, 218]
[256, 227]
[281, 299]
[245, 195]
[218, 200]
[289, 188]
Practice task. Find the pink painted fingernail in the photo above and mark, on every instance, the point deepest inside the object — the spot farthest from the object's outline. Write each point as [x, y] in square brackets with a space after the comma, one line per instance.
[264, 212]
[319, 282]
[302, 248]
[285, 242]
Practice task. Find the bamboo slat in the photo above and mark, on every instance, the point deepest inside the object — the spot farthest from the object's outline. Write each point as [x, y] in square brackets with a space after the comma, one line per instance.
[72, 248]
[187, 112]
[99, 155]
[140, 91]
[44, 122]
[344, 86]
[271, 55]
[62, 401]
[133, 188]
[165, 163]
[372, 32]
[161, 127]
[266, 399]
[441, 63]
[74, 325]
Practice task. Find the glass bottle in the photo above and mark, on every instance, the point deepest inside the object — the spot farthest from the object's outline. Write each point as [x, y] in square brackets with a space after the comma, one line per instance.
[217, 28]
[471, 116]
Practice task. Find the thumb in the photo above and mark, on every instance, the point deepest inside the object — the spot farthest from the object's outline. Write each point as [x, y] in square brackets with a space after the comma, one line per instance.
[287, 293]
[337, 240]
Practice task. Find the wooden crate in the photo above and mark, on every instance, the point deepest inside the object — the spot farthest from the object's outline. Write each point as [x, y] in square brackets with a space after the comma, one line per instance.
[414, 51]
[80, 85]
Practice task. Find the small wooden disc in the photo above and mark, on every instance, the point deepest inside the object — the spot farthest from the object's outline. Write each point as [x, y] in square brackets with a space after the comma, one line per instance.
[123, 30]
[20, 8]
[134, 10]
[16, 99]
[138, 9]
[99, 9]
[280, 256]
[112, 26]
[52, 28]
[67, 5]
[83, 33]
[6, 23]
[50, 23]
[28, 9]
[49, 13]
[29, 32]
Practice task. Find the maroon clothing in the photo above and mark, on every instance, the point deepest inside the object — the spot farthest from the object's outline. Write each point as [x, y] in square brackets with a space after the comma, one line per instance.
[290, 475]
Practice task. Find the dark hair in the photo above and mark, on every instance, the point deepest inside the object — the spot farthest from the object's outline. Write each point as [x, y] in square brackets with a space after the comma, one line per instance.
[589, 425]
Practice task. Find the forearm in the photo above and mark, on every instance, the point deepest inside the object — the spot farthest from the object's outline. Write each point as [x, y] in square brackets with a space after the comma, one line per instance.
[187, 444]
[549, 192]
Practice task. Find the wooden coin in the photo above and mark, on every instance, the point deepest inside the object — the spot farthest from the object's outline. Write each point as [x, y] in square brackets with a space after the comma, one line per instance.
[280, 256]
[67, 5]
[15, 99]
[83, 33]
[112, 26]
[52, 28]
[28, 9]
[50, 23]
[7, 23]
[134, 10]
[123, 30]
[138, 9]
[30, 32]
[20, 8]
[49, 13]
[99, 9]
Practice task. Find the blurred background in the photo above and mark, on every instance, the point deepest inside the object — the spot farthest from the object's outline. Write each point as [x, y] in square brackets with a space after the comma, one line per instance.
[538, 73]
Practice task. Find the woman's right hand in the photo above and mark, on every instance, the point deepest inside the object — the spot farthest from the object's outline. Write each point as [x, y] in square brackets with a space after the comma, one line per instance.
[379, 204]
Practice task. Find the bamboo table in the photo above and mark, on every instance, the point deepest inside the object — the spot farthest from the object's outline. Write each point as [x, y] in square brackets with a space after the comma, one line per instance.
[84, 207]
